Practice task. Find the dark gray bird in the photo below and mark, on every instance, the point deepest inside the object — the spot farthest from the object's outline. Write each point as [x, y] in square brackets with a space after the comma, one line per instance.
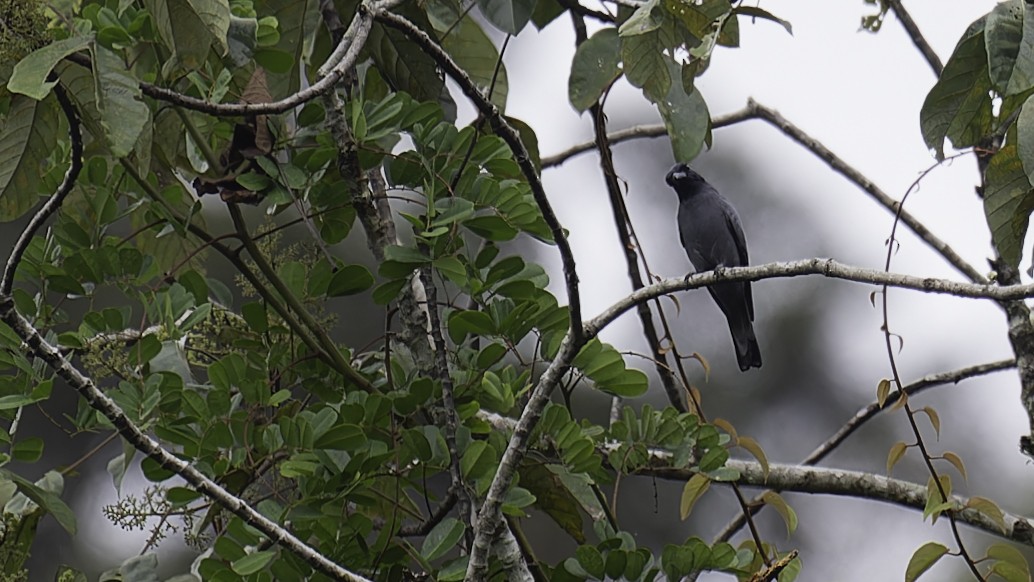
[713, 236]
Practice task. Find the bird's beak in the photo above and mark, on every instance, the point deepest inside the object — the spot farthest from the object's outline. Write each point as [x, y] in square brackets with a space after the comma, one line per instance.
[675, 174]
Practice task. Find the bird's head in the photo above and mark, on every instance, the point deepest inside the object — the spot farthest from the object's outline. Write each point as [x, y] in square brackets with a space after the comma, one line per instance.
[683, 177]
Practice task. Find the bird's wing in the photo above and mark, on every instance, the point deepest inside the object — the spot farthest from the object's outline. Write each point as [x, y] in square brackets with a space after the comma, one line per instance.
[733, 222]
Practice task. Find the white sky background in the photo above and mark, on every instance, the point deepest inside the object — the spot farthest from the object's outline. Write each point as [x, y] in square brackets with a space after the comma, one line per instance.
[860, 95]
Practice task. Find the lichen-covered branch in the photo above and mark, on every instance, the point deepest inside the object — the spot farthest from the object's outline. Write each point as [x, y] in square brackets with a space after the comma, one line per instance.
[820, 480]
[817, 266]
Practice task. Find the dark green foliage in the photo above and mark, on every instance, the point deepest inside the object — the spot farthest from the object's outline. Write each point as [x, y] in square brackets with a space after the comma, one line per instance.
[243, 378]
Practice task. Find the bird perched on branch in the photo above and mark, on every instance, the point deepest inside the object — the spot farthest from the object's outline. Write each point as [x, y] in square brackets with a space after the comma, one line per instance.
[713, 237]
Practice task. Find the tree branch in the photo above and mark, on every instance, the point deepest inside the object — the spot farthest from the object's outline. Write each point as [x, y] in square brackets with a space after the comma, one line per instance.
[844, 169]
[489, 519]
[51, 206]
[867, 413]
[636, 132]
[333, 69]
[100, 402]
[858, 484]
[504, 130]
[817, 266]
[755, 110]
[917, 37]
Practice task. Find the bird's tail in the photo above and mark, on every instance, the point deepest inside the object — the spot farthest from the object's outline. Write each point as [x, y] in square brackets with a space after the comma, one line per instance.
[748, 354]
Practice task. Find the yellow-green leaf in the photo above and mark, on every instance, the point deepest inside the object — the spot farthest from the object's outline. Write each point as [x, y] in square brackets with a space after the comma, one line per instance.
[882, 391]
[694, 489]
[923, 558]
[896, 452]
[935, 419]
[783, 508]
[756, 451]
[990, 509]
[956, 462]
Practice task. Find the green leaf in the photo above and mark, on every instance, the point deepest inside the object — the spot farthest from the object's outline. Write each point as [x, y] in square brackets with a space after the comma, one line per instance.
[123, 112]
[29, 77]
[591, 560]
[595, 66]
[686, 118]
[606, 368]
[645, 65]
[475, 53]
[298, 22]
[343, 437]
[252, 563]
[142, 568]
[555, 496]
[783, 508]
[478, 460]
[1025, 137]
[509, 16]
[349, 280]
[698, 16]
[1011, 564]
[451, 210]
[404, 64]
[694, 489]
[958, 107]
[28, 450]
[1008, 202]
[990, 509]
[1009, 41]
[923, 558]
[465, 322]
[387, 292]
[45, 494]
[188, 28]
[756, 12]
[442, 538]
[27, 136]
[646, 18]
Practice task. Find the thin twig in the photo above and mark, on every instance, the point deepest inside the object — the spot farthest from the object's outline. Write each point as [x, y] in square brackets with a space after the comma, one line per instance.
[755, 110]
[51, 206]
[333, 69]
[867, 413]
[636, 132]
[917, 37]
[440, 371]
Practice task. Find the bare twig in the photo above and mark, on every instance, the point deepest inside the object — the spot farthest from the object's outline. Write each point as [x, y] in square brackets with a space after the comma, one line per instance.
[636, 132]
[843, 168]
[632, 251]
[54, 202]
[755, 110]
[917, 37]
[311, 325]
[864, 415]
[440, 371]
